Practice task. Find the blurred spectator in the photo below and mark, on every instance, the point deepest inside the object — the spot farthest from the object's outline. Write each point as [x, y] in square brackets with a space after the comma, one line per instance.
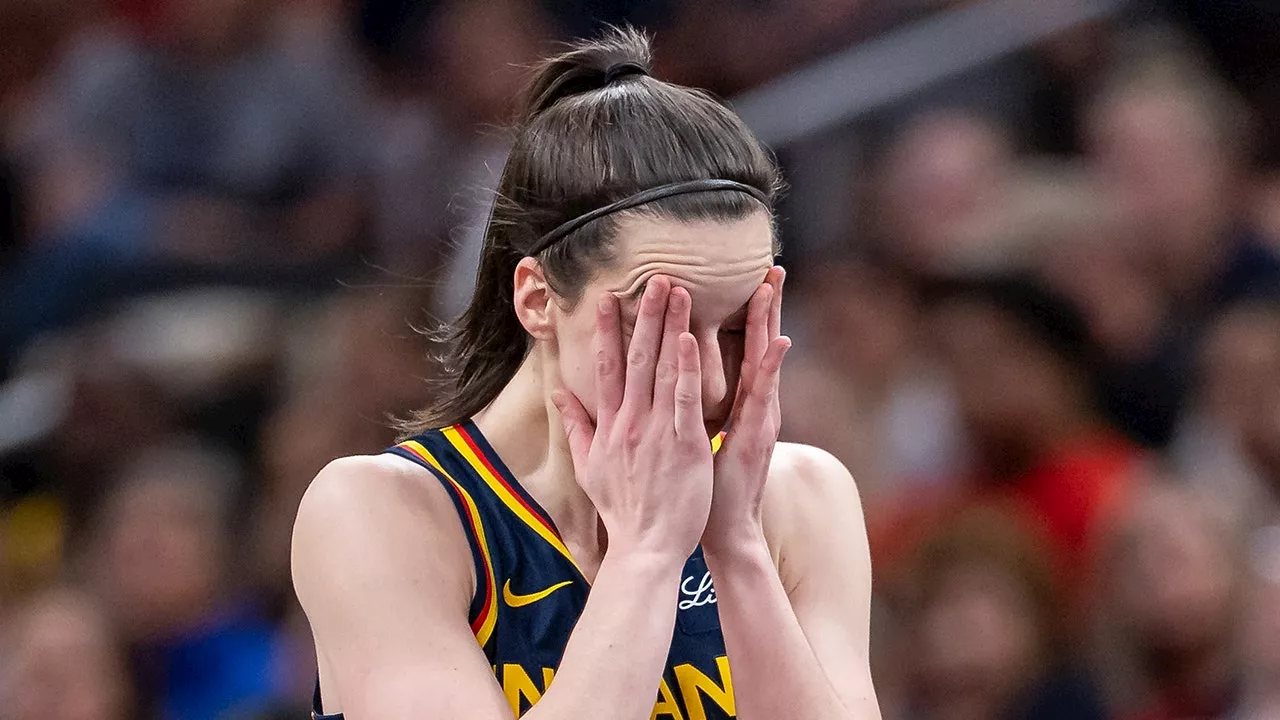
[342, 392]
[1230, 440]
[162, 560]
[214, 143]
[1170, 143]
[728, 46]
[944, 194]
[447, 81]
[1078, 250]
[1170, 592]
[155, 151]
[986, 628]
[1244, 39]
[76, 406]
[60, 661]
[1022, 361]
[862, 386]
[204, 142]
[34, 35]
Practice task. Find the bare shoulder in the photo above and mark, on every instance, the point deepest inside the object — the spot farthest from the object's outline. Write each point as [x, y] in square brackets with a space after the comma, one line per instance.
[375, 508]
[810, 498]
[382, 488]
[804, 478]
[383, 570]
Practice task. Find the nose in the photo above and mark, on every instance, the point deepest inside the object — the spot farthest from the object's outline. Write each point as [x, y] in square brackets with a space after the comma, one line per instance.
[715, 377]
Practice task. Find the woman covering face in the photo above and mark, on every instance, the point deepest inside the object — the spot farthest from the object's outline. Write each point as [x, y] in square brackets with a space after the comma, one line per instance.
[597, 521]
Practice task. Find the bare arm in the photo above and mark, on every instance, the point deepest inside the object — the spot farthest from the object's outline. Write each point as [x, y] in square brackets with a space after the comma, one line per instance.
[797, 633]
[382, 568]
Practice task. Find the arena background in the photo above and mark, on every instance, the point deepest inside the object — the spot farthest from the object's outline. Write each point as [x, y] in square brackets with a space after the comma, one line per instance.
[1034, 284]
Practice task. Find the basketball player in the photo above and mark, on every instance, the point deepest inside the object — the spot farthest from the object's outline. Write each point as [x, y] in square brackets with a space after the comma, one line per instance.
[560, 521]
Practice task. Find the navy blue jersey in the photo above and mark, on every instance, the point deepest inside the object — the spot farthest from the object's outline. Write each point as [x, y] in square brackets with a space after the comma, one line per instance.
[530, 592]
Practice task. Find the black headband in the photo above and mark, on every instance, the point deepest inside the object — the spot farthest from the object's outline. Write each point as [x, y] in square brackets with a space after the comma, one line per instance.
[643, 197]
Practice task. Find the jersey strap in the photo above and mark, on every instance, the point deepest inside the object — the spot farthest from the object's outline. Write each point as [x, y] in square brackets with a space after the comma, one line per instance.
[484, 607]
[475, 450]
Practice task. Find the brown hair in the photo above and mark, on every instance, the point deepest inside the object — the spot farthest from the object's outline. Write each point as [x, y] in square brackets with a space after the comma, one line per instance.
[588, 135]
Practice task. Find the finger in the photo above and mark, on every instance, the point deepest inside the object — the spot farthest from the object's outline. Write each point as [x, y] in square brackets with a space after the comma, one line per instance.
[771, 365]
[646, 341]
[668, 370]
[757, 338]
[762, 395]
[608, 352]
[577, 426]
[688, 390]
[779, 277]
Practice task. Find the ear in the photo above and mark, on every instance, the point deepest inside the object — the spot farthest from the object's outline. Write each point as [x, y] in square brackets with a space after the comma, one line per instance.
[533, 300]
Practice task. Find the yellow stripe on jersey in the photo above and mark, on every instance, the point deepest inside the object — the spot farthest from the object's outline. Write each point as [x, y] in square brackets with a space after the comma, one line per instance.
[488, 618]
[716, 442]
[465, 446]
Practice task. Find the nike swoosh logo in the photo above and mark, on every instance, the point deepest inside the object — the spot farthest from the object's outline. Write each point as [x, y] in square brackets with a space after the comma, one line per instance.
[515, 601]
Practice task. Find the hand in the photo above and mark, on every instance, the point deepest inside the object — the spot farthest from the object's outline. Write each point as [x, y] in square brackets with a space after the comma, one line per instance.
[742, 465]
[645, 462]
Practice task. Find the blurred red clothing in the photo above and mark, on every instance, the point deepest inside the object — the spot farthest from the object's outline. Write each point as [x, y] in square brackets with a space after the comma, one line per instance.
[1068, 498]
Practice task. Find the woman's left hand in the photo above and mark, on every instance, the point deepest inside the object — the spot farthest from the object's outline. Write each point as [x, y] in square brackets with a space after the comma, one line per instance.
[742, 464]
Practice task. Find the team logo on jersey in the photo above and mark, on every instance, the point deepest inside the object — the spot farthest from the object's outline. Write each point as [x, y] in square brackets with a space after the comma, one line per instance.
[515, 601]
[686, 693]
[697, 591]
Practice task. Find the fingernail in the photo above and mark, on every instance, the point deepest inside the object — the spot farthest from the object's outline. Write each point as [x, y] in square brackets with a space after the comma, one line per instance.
[677, 299]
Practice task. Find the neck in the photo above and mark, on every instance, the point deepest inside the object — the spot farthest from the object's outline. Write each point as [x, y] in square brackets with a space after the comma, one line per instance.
[524, 428]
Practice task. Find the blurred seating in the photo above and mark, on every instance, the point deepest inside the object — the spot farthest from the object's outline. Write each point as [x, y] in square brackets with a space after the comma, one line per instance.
[1016, 290]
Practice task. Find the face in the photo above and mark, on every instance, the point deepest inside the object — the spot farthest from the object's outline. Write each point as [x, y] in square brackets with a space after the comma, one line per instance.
[162, 552]
[945, 177]
[64, 665]
[1156, 154]
[720, 264]
[1003, 380]
[978, 636]
[1176, 576]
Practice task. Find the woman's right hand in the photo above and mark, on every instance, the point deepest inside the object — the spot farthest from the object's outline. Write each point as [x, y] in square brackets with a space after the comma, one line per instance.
[646, 461]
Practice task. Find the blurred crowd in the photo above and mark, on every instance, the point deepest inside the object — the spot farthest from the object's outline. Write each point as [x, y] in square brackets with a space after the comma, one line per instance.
[1046, 341]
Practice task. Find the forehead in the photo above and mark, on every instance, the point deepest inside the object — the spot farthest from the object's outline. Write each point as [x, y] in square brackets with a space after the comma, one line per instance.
[716, 261]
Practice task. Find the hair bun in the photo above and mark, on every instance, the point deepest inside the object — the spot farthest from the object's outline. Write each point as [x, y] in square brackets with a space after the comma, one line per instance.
[623, 69]
[588, 66]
